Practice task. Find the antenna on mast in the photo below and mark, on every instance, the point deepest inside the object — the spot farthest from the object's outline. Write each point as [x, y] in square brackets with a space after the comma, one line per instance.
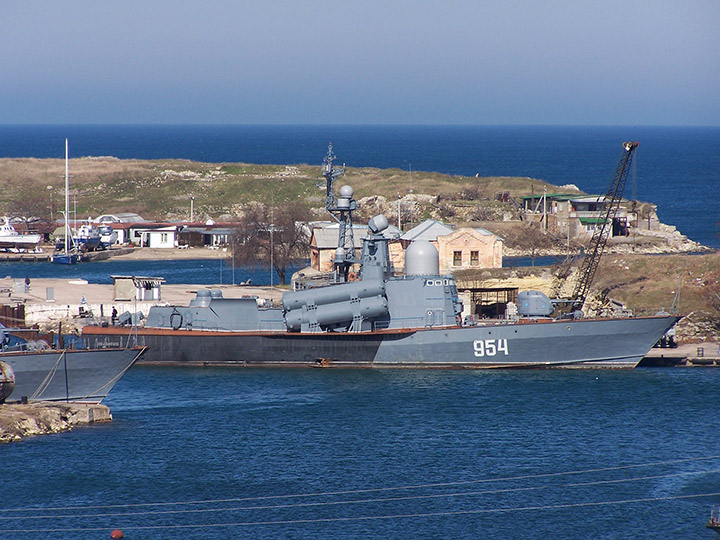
[341, 209]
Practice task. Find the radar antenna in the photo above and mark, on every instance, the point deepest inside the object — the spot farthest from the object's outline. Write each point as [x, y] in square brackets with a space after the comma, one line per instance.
[330, 173]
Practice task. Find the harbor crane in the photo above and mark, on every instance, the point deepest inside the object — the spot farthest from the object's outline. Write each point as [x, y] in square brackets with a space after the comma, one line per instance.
[609, 207]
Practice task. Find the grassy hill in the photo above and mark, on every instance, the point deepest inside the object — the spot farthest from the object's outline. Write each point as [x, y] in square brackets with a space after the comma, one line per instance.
[161, 189]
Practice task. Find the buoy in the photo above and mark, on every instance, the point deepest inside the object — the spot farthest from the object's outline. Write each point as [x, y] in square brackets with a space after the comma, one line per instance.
[117, 533]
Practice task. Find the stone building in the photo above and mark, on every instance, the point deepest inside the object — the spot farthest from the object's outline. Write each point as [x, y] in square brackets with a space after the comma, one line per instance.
[469, 248]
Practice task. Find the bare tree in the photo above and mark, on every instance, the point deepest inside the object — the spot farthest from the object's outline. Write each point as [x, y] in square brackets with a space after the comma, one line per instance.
[529, 239]
[272, 235]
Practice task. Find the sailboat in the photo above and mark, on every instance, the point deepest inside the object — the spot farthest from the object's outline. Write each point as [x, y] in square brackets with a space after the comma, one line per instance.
[70, 253]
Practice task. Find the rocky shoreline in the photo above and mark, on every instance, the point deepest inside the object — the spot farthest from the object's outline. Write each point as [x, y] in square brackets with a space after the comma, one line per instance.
[21, 420]
[666, 241]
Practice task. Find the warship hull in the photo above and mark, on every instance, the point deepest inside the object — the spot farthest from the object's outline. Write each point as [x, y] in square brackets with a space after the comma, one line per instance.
[613, 343]
[85, 376]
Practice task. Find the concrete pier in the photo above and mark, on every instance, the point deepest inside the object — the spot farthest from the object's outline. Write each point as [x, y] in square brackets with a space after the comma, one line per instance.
[704, 354]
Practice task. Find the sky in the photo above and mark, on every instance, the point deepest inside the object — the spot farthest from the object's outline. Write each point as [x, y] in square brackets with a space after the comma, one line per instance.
[471, 62]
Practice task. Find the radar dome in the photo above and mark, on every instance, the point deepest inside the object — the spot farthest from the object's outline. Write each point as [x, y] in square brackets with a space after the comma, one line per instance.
[346, 192]
[421, 259]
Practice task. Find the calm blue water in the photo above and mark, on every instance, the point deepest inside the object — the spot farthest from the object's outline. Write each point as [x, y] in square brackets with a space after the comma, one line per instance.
[335, 454]
[677, 168]
[195, 271]
[198, 271]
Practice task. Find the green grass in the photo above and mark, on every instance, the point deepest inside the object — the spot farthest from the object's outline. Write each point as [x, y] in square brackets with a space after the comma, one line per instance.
[161, 189]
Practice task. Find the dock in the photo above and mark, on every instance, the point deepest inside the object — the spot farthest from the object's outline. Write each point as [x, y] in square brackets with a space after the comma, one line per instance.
[705, 354]
[46, 256]
[24, 257]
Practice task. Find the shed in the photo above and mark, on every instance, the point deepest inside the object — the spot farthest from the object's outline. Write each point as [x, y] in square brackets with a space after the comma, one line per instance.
[129, 288]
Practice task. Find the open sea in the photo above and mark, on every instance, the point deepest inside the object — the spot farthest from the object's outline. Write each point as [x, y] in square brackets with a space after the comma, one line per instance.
[216, 453]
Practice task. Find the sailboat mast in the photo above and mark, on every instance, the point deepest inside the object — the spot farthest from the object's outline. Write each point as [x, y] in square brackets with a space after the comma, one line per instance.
[67, 198]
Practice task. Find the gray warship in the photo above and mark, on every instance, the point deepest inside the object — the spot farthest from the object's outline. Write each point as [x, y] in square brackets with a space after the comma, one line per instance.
[370, 317]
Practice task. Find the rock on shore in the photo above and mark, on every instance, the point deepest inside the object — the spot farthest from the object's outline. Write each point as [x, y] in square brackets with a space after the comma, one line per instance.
[22, 420]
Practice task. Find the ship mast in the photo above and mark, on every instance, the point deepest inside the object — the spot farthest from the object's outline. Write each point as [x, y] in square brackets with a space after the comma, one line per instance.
[67, 198]
[341, 209]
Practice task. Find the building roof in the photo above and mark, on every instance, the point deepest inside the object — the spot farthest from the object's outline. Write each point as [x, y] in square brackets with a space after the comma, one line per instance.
[585, 220]
[553, 196]
[123, 217]
[588, 199]
[142, 281]
[428, 230]
[327, 237]
[208, 230]
[473, 230]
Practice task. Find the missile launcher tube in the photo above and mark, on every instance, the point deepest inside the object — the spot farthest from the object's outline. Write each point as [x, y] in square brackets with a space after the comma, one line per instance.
[342, 292]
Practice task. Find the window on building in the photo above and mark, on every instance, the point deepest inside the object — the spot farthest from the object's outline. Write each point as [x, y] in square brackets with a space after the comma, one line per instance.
[457, 258]
[164, 237]
[474, 258]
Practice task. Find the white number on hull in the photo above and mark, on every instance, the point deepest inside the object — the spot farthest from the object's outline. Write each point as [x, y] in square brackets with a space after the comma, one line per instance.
[490, 347]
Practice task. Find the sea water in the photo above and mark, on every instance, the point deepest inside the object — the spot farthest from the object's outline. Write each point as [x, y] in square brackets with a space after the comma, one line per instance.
[175, 271]
[355, 454]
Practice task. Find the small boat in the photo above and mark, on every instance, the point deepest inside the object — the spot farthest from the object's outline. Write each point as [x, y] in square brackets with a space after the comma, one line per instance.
[714, 522]
[11, 239]
[71, 256]
[108, 236]
[69, 253]
[88, 236]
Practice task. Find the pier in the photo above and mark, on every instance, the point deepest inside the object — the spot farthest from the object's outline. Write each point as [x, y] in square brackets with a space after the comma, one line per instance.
[46, 256]
[24, 257]
[706, 354]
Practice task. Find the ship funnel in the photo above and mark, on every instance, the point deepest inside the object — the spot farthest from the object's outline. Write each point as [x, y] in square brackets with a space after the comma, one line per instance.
[422, 259]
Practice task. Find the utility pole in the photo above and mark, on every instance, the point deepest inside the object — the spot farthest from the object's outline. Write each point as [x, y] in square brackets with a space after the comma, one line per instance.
[272, 247]
[398, 210]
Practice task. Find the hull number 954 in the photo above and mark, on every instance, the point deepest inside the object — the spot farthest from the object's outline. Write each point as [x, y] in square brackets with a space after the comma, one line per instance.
[490, 347]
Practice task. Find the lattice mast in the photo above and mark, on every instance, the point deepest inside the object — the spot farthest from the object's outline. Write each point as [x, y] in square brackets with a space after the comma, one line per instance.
[341, 209]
